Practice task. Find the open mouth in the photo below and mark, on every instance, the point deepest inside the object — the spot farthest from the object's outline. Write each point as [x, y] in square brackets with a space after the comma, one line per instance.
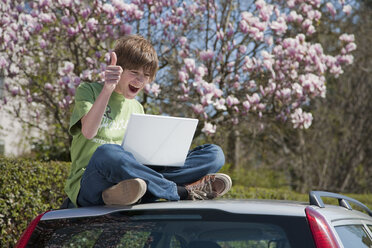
[133, 88]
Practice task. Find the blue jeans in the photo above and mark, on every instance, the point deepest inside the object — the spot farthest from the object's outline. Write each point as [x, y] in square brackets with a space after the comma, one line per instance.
[111, 164]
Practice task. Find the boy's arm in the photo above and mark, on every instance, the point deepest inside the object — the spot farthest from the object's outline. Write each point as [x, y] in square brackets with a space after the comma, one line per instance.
[91, 121]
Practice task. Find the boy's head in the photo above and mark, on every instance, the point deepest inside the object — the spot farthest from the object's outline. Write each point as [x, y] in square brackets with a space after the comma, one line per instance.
[135, 52]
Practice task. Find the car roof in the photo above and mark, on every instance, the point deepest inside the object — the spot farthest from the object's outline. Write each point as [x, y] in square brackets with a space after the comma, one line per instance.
[254, 207]
[335, 213]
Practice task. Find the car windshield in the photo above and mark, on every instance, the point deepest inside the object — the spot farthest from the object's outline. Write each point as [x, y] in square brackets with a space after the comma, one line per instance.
[176, 229]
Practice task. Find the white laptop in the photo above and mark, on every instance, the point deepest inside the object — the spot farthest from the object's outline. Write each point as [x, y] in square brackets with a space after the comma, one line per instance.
[158, 140]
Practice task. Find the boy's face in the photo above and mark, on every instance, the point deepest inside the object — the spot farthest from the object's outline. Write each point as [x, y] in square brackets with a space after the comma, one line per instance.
[132, 82]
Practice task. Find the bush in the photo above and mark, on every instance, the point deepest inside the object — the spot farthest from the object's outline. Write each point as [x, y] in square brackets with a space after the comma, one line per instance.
[27, 188]
[242, 192]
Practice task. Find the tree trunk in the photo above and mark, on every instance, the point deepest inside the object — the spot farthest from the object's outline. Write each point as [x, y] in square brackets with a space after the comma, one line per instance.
[233, 149]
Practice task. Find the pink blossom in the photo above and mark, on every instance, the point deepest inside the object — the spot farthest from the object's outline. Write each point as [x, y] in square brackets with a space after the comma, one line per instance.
[209, 128]
[3, 62]
[313, 84]
[220, 35]
[279, 26]
[219, 104]
[331, 9]
[15, 91]
[345, 59]
[85, 12]
[179, 11]
[246, 15]
[185, 89]
[267, 59]
[242, 49]
[291, 3]
[65, 20]
[138, 14]
[119, 5]
[14, 69]
[336, 70]
[77, 81]
[243, 25]
[153, 88]
[183, 76]
[265, 11]
[108, 9]
[200, 71]
[65, 3]
[350, 47]
[347, 9]
[292, 17]
[246, 105]
[67, 68]
[92, 24]
[310, 30]
[183, 40]
[254, 99]
[232, 100]
[284, 93]
[48, 86]
[206, 55]
[72, 31]
[301, 119]
[86, 75]
[306, 24]
[29, 98]
[198, 108]
[206, 99]
[347, 38]
[190, 64]
[249, 64]
[46, 18]
[125, 29]
[217, 92]
[44, 3]
[297, 90]
[71, 91]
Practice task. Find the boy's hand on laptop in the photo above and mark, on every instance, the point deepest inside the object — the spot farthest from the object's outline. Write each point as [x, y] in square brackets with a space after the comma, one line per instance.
[112, 73]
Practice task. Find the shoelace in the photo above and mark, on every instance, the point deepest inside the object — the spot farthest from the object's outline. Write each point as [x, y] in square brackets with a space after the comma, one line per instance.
[202, 191]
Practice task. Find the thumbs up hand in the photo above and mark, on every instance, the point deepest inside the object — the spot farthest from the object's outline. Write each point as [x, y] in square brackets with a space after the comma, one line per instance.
[112, 73]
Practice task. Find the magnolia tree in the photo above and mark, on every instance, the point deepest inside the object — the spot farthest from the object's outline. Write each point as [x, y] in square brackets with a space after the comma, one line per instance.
[219, 60]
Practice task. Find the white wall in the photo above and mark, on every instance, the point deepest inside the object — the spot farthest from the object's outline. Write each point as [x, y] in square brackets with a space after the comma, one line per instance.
[12, 135]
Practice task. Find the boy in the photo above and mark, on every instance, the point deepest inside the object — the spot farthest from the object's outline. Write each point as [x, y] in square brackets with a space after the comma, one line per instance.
[102, 172]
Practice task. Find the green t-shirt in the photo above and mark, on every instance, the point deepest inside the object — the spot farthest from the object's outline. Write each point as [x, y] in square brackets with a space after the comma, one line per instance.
[111, 129]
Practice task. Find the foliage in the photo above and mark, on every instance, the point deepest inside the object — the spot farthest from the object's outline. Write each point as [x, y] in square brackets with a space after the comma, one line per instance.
[220, 61]
[335, 153]
[27, 188]
[242, 192]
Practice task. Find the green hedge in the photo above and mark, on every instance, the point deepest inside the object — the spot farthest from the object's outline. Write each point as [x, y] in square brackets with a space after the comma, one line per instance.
[28, 188]
[242, 192]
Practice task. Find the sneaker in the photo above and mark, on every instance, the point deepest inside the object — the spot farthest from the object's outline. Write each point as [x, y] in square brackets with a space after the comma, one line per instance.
[126, 192]
[209, 187]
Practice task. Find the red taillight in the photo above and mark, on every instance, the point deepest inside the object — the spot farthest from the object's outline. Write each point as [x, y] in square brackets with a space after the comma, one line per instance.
[22, 242]
[322, 233]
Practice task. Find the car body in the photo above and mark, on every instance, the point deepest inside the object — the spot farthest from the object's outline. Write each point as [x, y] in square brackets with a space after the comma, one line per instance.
[213, 223]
